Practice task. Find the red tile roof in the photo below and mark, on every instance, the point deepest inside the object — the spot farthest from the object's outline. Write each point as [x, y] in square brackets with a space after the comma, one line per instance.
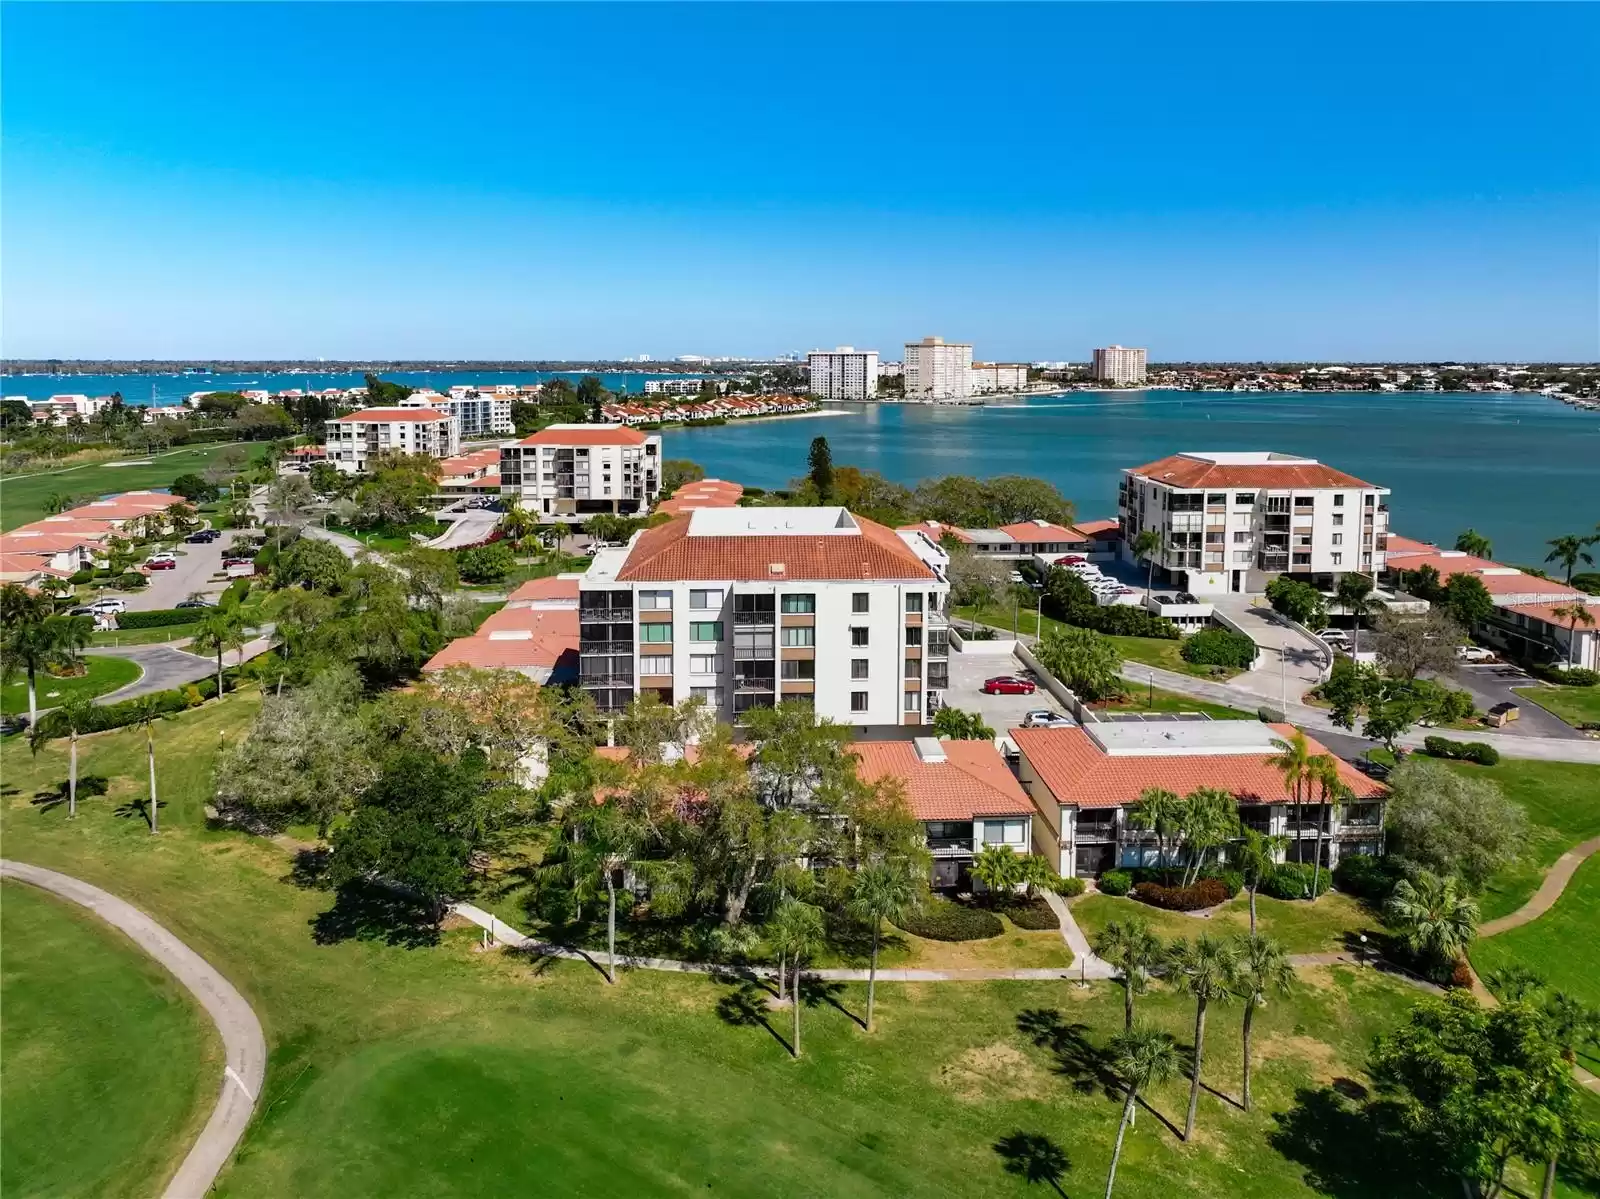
[31, 541]
[706, 493]
[1446, 563]
[1078, 772]
[538, 638]
[1526, 584]
[588, 435]
[974, 780]
[463, 464]
[1026, 532]
[29, 564]
[934, 530]
[1399, 545]
[1094, 528]
[388, 415]
[667, 553]
[1546, 613]
[1179, 471]
[545, 590]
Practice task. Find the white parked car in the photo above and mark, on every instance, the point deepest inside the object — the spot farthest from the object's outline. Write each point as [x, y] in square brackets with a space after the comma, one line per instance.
[1474, 653]
[108, 604]
[1016, 576]
[1334, 636]
[1044, 718]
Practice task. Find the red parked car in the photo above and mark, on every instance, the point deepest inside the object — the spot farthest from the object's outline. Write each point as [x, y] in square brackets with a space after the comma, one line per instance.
[1006, 684]
[161, 564]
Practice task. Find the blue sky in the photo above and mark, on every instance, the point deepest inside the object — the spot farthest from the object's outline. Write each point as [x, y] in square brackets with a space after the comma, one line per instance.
[524, 181]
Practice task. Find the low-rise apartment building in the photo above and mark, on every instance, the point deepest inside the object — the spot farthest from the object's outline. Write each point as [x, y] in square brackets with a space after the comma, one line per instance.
[744, 607]
[477, 473]
[843, 374]
[1231, 521]
[355, 439]
[936, 369]
[999, 376]
[1085, 781]
[571, 472]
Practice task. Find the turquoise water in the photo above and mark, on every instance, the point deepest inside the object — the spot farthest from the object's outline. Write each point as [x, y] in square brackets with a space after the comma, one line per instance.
[1519, 468]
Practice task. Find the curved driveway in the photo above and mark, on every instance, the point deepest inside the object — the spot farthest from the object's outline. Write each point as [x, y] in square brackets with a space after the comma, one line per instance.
[243, 1043]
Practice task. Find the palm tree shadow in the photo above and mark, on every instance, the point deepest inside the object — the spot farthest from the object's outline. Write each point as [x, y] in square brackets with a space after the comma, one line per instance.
[746, 1007]
[51, 798]
[139, 808]
[815, 992]
[1034, 1157]
[1087, 1065]
[1225, 1098]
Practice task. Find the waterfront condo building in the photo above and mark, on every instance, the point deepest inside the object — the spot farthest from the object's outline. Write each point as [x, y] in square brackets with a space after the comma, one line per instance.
[999, 376]
[1119, 364]
[843, 374]
[354, 439]
[478, 413]
[569, 472]
[1229, 522]
[938, 370]
[744, 607]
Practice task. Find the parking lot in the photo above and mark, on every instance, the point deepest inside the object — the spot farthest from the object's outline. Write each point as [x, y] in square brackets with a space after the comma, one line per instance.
[970, 667]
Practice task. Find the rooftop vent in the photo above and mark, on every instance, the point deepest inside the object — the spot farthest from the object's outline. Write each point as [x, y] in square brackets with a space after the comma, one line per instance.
[776, 568]
[930, 750]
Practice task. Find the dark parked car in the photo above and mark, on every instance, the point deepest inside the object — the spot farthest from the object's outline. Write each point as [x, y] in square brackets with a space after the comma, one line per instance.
[203, 537]
[194, 603]
[12, 724]
[1006, 684]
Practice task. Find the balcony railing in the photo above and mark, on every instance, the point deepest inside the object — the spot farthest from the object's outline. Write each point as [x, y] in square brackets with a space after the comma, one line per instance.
[950, 844]
[754, 618]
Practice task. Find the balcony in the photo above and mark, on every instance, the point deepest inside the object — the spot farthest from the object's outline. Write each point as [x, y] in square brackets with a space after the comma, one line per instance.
[950, 846]
[754, 618]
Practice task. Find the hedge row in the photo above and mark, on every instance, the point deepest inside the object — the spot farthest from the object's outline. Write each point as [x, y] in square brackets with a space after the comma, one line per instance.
[1207, 893]
[1219, 647]
[101, 717]
[1461, 751]
[1069, 888]
[1033, 914]
[1292, 880]
[1367, 876]
[942, 920]
[159, 618]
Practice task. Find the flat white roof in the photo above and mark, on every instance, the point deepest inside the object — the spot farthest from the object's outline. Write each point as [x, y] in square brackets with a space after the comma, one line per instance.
[769, 522]
[1183, 739]
[606, 564]
[1248, 458]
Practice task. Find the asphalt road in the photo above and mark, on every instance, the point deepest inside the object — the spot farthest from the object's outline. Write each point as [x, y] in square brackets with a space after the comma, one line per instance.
[244, 1045]
[196, 566]
[1492, 682]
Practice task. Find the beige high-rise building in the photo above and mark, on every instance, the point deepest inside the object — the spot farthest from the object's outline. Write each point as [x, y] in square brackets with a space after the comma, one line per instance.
[1119, 364]
[843, 374]
[936, 369]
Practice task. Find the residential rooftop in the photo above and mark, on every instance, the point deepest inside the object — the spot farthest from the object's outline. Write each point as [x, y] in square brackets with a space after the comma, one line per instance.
[946, 780]
[1198, 469]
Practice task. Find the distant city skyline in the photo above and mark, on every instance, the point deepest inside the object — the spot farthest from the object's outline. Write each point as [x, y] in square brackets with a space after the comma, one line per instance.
[1344, 208]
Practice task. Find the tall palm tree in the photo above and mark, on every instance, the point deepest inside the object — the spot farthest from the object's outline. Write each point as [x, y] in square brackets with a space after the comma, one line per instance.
[221, 629]
[1206, 968]
[1141, 1057]
[147, 711]
[1256, 856]
[1263, 966]
[1293, 759]
[1135, 951]
[1354, 594]
[288, 500]
[75, 713]
[797, 932]
[1145, 544]
[33, 639]
[1160, 812]
[1470, 541]
[1574, 614]
[1323, 773]
[1434, 915]
[1210, 821]
[882, 891]
[1569, 551]
[613, 841]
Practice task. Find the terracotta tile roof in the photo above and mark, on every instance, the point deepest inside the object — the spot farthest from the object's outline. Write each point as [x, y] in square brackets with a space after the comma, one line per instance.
[1526, 584]
[706, 493]
[544, 590]
[1546, 613]
[934, 530]
[463, 464]
[1094, 528]
[69, 524]
[543, 622]
[309, 451]
[1078, 772]
[586, 435]
[1447, 563]
[16, 564]
[974, 780]
[1179, 471]
[667, 553]
[1399, 545]
[391, 415]
[516, 638]
[29, 541]
[124, 507]
[1025, 532]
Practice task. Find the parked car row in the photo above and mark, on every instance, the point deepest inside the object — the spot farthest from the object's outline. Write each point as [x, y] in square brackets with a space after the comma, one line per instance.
[1103, 586]
[203, 537]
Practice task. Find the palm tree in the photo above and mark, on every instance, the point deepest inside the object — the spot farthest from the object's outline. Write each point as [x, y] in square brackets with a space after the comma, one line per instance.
[1574, 614]
[1135, 951]
[882, 891]
[1145, 543]
[75, 714]
[998, 868]
[1354, 594]
[1263, 966]
[1141, 1057]
[1160, 812]
[1210, 820]
[797, 932]
[1323, 773]
[288, 499]
[1205, 968]
[1294, 760]
[1470, 541]
[1434, 915]
[33, 639]
[221, 629]
[612, 840]
[146, 712]
[1256, 856]
[1569, 551]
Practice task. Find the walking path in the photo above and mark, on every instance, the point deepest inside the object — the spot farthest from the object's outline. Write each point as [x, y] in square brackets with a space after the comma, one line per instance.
[243, 1043]
[1555, 882]
[166, 666]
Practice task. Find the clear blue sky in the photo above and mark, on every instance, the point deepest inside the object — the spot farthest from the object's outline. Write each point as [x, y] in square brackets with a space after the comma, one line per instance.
[520, 181]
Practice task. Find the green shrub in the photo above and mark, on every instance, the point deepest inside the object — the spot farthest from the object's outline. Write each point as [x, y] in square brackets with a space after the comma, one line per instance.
[1116, 882]
[941, 920]
[1367, 876]
[81, 577]
[1268, 715]
[1461, 751]
[1574, 676]
[1218, 647]
[1232, 881]
[131, 581]
[485, 563]
[1292, 880]
[1069, 888]
[234, 594]
[159, 618]
[1207, 893]
[1035, 915]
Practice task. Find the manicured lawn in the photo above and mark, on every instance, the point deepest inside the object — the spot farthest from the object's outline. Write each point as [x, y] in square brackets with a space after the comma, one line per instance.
[103, 674]
[107, 1067]
[1145, 700]
[1575, 705]
[391, 540]
[1301, 927]
[552, 564]
[404, 1067]
[1149, 651]
[23, 497]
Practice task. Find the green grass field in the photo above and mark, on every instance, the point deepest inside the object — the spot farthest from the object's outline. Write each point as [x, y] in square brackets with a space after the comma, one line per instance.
[1563, 945]
[23, 497]
[1299, 927]
[1148, 651]
[109, 1068]
[1142, 699]
[431, 1069]
[1575, 705]
[103, 674]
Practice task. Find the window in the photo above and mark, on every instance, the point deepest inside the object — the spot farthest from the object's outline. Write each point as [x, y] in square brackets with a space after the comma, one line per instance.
[1338, 559]
[1302, 559]
[1338, 499]
[858, 635]
[1241, 557]
[712, 695]
[1214, 498]
[1245, 499]
[913, 601]
[705, 663]
[912, 700]
[1214, 538]
[1004, 832]
[858, 668]
[800, 668]
[799, 603]
[706, 600]
[1338, 519]
[705, 630]
[1241, 539]
[914, 636]
[800, 636]
[1338, 539]
[655, 633]
[858, 701]
[655, 601]
[859, 601]
[655, 664]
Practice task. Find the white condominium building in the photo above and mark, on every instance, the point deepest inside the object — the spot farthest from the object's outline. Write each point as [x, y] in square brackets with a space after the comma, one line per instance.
[938, 370]
[843, 374]
[569, 472]
[356, 438]
[1119, 364]
[746, 607]
[478, 413]
[1229, 522]
[999, 376]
